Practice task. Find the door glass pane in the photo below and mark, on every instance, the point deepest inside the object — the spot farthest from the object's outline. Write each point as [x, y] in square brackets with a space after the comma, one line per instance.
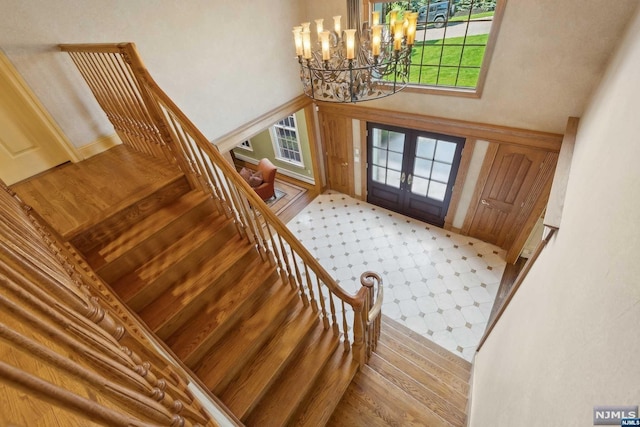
[425, 147]
[378, 174]
[378, 138]
[419, 186]
[437, 190]
[441, 172]
[379, 157]
[395, 161]
[445, 151]
[422, 168]
[396, 141]
[393, 178]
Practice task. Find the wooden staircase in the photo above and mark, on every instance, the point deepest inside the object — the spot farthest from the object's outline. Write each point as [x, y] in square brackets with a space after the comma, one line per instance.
[222, 309]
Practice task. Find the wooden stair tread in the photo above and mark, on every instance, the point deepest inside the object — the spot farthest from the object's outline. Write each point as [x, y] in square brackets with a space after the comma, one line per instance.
[161, 251]
[430, 381]
[248, 387]
[187, 208]
[226, 359]
[420, 344]
[108, 223]
[383, 404]
[419, 384]
[156, 270]
[331, 386]
[282, 400]
[458, 381]
[195, 290]
[244, 282]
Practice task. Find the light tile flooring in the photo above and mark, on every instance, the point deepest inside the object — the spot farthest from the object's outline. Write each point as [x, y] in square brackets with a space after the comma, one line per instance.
[438, 283]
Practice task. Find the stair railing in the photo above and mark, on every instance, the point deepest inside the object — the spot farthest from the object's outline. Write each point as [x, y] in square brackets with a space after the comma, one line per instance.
[146, 119]
[66, 339]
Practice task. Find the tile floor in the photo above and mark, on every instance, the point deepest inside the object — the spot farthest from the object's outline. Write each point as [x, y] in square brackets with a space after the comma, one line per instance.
[438, 283]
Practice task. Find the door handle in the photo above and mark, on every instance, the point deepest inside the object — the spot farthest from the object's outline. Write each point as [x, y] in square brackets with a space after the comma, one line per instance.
[345, 164]
[484, 202]
[402, 177]
[409, 179]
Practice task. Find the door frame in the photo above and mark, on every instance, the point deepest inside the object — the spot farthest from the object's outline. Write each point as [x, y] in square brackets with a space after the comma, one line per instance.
[409, 157]
[13, 84]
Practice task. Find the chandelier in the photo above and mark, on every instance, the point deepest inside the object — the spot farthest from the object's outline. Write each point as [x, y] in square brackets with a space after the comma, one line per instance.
[357, 64]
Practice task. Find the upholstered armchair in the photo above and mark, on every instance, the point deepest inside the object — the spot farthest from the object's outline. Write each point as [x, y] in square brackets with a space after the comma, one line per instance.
[266, 190]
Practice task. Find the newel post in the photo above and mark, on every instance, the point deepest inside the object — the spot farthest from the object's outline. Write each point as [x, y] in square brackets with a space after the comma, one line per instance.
[360, 311]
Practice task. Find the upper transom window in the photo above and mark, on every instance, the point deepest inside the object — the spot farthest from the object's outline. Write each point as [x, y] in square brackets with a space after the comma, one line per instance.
[452, 41]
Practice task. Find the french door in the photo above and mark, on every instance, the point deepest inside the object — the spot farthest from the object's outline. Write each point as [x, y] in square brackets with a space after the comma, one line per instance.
[412, 172]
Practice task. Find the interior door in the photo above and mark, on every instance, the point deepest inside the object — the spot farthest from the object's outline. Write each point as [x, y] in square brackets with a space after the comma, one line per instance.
[412, 172]
[514, 175]
[337, 137]
[27, 144]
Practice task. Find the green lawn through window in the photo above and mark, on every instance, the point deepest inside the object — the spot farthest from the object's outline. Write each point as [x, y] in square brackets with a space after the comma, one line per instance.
[448, 64]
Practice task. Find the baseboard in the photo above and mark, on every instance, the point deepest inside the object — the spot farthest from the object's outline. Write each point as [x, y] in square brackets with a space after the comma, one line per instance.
[99, 145]
[470, 395]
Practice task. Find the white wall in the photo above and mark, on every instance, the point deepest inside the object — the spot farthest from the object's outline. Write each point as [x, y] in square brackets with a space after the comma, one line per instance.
[569, 339]
[213, 57]
[227, 63]
[548, 58]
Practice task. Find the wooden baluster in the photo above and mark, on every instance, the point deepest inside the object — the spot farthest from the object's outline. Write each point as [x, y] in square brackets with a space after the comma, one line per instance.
[288, 278]
[141, 115]
[89, 409]
[359, 350]
[223, 192]
[183, 146]
[301, 291]
[137, 402]
[334, 322]
[113, 77]
[213, 182]
[345, 327]
[73, 322]
[321, 297]
[314, 303]
[88, 308]
[274, 252]
[108, 358]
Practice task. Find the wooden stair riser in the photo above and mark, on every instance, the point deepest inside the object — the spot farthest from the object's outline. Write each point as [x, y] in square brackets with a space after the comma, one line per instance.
[427, 363]
[422, 387]
[174, 264]
[327, 391]
[146, 246]
[446, 358]
[392, 407]
[220, 316]
[286, 396]
[248, 387]
[241, 343]
[121, 218]
[193, 292]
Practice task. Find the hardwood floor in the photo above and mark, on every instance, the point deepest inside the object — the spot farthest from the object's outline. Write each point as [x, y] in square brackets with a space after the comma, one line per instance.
[76, 196]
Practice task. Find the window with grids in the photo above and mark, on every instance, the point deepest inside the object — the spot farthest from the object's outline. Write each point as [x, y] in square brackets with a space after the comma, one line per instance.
[451, 40]
[285, 141]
